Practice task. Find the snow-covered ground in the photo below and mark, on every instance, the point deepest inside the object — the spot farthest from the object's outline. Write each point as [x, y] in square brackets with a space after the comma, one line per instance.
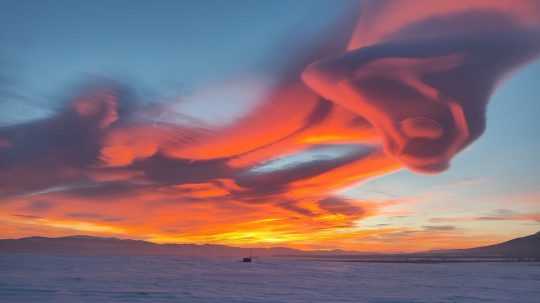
[28, 278]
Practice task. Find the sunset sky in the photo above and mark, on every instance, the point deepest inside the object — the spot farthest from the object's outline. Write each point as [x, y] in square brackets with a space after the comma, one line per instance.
[188, 122]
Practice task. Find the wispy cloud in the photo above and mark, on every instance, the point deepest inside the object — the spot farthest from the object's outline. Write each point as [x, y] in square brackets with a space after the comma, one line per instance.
[438, 227]
[496, 215]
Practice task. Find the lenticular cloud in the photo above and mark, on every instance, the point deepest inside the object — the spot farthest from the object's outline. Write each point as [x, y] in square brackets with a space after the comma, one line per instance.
[422, 73]
[409, 88]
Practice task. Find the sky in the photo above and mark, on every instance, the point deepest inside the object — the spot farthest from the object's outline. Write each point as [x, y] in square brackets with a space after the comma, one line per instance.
[277, 123]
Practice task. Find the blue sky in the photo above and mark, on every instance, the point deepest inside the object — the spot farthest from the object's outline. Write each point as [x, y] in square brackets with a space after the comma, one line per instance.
[168, 47]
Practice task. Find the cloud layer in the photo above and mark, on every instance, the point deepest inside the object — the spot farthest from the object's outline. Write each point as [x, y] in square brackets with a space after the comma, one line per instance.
[410, 90]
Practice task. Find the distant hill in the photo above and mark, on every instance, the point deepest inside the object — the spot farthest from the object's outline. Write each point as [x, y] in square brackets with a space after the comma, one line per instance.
[87, 245]
[527, 248]
[524, 247]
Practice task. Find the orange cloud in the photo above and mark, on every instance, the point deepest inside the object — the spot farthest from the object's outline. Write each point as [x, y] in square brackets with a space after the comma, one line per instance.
[422, 74]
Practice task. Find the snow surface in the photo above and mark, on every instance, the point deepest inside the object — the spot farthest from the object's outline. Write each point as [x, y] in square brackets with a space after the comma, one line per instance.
[31, 278]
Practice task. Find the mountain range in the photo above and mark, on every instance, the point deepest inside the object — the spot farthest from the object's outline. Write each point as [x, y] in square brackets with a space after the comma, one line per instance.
[524, 247]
